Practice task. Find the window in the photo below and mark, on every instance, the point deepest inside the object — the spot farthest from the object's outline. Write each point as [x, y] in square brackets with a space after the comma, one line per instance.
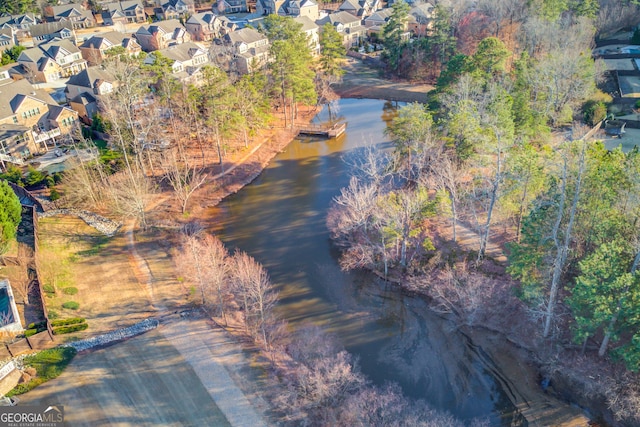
[30, 113]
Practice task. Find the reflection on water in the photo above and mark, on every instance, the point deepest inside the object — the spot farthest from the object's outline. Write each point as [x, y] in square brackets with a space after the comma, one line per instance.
[280, 220]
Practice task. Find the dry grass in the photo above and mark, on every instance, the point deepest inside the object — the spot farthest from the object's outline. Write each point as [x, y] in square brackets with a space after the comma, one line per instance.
[72, 254]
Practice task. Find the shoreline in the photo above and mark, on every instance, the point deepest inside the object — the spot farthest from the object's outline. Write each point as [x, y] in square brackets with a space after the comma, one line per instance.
[520, 372]
[244, 171]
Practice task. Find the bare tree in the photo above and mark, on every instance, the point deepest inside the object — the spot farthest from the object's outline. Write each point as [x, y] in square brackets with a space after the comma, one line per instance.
[22, 285]
[130, 194]
[183, 179]
[217, 267]
[448, 178]
[191, 261]
[252, 286]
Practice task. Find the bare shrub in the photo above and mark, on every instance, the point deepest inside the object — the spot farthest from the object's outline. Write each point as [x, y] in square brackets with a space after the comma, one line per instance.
[320, 379]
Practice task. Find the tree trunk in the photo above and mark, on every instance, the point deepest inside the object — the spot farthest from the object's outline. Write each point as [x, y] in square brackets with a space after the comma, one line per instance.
[484, 238]
[521, 211]
[562, 249]
[454, 216]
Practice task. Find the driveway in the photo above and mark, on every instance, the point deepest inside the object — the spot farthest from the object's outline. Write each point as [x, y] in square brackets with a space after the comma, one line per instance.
[155, 379]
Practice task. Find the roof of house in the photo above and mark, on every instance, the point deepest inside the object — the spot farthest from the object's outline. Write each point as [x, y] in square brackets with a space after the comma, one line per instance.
[123, 5]
[9, 130]
[70, 11]
[302, 3]
[307, 23]
[13, 94]
[84, 98]
[349, 5]
[245, 35]
[203, 18]
[56, 46]
[49, 28]
[168, 26]
[339, 18]
[174, 3]
[182, 52]
[45, 52]
[380, 15]
[25, 18]
[90, 76]
[107, 40]
[6, 33]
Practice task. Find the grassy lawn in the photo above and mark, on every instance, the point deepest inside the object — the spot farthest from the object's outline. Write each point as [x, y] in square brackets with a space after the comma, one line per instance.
[48, 364]
[86, 274]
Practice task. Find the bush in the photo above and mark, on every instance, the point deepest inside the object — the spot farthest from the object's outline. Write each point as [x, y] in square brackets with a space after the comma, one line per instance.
[53, 314]
[594, 112]
[635, 39]
[48, 364]
[12, 174]
[70, 290]
[34, 176]
[53, 194]
[71, 305]
[39, 325]
[30, 332]
[70, 329]
[65, 322]
[49, 289]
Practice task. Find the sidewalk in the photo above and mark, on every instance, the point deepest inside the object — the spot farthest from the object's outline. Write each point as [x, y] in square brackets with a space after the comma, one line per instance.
[209, 352]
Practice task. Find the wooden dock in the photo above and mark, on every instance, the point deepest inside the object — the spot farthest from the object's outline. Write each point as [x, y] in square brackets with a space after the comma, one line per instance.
[326, 130]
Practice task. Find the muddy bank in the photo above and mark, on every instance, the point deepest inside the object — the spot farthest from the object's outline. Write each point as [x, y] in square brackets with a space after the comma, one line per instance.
[362, 81]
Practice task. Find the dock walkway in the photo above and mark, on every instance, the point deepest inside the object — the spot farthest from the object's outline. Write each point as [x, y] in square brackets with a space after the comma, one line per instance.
[326, 130]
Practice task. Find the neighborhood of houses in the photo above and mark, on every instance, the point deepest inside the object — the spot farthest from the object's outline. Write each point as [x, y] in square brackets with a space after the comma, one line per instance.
[65, 46]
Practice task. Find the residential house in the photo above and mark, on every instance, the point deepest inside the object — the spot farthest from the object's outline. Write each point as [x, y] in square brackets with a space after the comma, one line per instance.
[127, 12]
[21, 24]
[42, 33]
[93, 80]
[307, 8]
[205, 26]
[268, 7]
[249, 50]
[95, 49]
[174, 9]
[311, 29]
[378, 18]
[359, 8]
[52, 61]
[30, 119]
[186, 60]
[7, 39]
[86, 105]
[421, 19]
[74, 13]
[376, 21]
[161, 35]
[232, 6]
[85, 89]
[347, 25]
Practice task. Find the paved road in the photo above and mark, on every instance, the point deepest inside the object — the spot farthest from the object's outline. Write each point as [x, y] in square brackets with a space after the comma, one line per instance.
[144, 381]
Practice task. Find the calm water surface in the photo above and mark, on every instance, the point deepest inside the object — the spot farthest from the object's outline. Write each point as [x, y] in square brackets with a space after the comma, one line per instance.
[280, 220]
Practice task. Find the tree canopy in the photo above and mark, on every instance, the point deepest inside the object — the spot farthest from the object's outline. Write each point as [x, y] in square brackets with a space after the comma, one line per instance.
[10, 211]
